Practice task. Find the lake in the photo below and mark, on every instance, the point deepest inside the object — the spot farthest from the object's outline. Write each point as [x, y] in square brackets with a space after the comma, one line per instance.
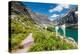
[70, 32]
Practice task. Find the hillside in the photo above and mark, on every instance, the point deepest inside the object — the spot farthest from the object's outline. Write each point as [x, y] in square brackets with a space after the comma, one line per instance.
[22, 24]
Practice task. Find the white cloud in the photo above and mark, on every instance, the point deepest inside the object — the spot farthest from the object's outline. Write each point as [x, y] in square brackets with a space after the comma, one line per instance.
[59, 8]
[65, 5]
[54, 15]
[51, 19]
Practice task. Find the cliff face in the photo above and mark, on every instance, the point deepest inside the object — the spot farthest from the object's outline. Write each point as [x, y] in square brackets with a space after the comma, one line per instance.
[69, 18]
[19, 8]
[38, 18]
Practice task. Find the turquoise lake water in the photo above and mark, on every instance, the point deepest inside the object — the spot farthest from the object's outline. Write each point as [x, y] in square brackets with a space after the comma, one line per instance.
[70, 32]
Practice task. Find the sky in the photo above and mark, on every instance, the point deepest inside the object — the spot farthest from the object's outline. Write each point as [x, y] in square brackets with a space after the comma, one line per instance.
[52, 10]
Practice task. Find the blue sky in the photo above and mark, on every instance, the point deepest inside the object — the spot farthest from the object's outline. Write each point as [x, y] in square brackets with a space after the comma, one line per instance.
[52, 10]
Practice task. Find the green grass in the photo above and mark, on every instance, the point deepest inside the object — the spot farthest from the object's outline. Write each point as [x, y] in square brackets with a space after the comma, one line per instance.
[44, 39]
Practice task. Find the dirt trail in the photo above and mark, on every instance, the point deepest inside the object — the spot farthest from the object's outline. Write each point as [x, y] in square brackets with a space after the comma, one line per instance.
[26, 43]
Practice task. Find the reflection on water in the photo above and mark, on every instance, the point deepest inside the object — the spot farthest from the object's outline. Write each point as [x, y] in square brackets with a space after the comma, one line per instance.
[70, 32]
[56, 29]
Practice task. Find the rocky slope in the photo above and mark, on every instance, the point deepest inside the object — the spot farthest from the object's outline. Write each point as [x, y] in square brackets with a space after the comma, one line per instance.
[68, 19]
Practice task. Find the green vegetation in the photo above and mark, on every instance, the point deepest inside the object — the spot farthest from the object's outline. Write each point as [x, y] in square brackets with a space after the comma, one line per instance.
[50, 43]
[44, 39]
[20, 28]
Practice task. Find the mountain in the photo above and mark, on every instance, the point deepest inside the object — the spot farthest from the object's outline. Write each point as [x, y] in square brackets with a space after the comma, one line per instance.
[69, 18]
[22, 22]
[19, 8]
[40, 19]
